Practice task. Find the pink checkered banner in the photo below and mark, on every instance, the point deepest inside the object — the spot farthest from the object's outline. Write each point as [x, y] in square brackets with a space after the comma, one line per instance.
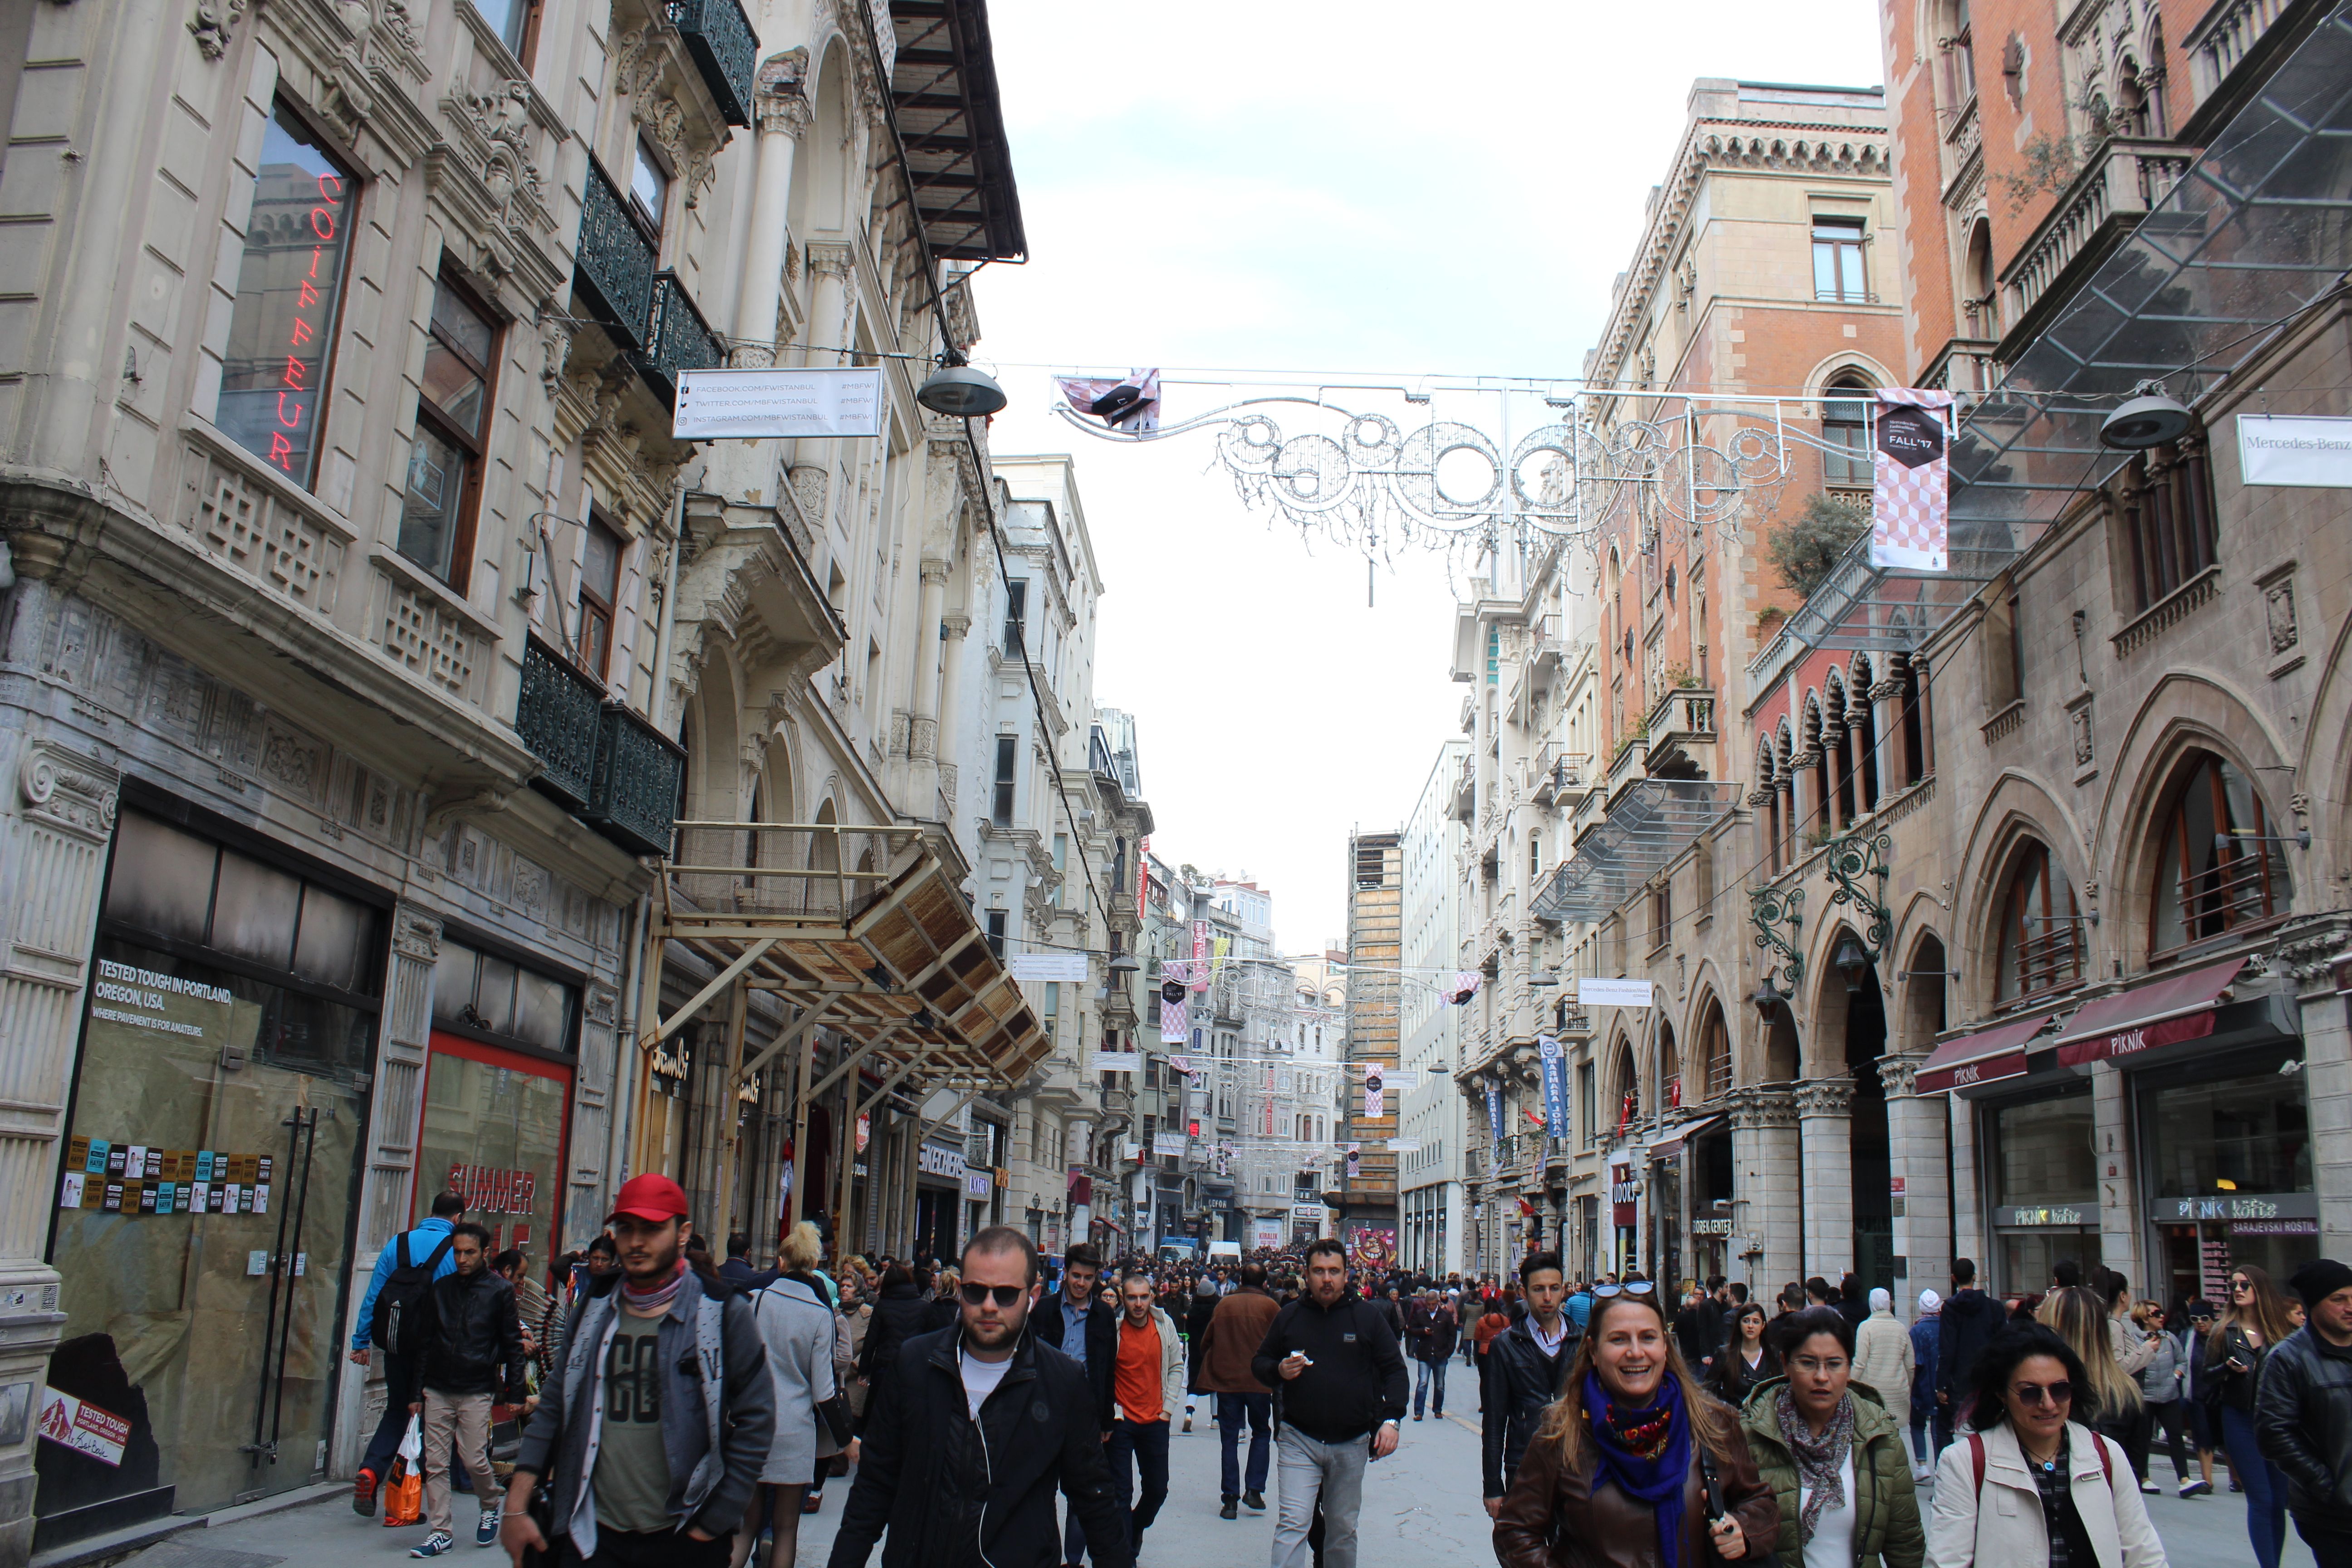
[1910, 495]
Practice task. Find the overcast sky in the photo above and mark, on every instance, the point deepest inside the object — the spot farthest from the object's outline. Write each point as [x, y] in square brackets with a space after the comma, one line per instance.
[1286, 186]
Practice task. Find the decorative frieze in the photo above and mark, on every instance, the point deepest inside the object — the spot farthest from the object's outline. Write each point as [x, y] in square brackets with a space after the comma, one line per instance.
[1824, 1097]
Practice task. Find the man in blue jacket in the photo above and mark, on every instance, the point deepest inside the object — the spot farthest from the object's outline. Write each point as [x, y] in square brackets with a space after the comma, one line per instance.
[421, 1245]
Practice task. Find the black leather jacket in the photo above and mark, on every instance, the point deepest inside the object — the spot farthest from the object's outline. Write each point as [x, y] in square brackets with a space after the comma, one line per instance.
[2303, 1417]
[1519, 1382]
[958, 1493]
[473, 1338]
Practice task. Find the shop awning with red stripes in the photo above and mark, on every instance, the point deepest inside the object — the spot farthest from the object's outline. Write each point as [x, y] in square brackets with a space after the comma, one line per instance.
[1986, 1057]
[2177, 1007]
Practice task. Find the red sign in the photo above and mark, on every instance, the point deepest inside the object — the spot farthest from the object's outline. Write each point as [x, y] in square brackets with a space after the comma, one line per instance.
[2129, 1042]
[1986, 1069]
[493, 1191]
[1621, 1192]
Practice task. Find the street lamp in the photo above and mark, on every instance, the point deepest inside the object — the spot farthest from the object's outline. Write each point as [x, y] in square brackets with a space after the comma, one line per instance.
[2145, 422]
[1767, 1000]
[1851, 962]
[961, 391]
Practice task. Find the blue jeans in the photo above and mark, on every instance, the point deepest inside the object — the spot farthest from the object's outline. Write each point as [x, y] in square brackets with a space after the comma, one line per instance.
[1231, 1408]
[1429, 1380]
[2265, 1486]
[1145, 1442]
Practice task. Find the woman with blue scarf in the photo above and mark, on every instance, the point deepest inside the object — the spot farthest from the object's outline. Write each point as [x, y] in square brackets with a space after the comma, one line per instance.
[1634, 1467]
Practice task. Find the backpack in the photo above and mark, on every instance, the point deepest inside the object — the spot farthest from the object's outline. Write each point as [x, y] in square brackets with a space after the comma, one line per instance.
[399, 1306]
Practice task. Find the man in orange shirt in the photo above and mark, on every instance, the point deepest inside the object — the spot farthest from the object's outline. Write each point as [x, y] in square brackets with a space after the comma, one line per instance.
[1147, 1387]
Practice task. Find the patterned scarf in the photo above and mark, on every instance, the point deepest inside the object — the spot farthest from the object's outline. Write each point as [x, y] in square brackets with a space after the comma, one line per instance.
[1647, 1452]
[1820, 1460]
[656, 1301]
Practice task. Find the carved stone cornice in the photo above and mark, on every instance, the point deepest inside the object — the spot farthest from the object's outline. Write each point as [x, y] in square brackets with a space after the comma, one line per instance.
[1761, 1106]
[1823, 1097]
[486, 177]
[1899, 1074]
[74, 793]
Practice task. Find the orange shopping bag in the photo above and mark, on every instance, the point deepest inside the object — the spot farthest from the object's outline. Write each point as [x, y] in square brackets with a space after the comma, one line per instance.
[403, 1490]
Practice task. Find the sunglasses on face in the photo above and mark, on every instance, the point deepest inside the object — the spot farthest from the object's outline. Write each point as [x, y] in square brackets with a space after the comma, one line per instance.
[1006, 1295]
[2242, 1284]
[2060, 1392]
[1638, 1288]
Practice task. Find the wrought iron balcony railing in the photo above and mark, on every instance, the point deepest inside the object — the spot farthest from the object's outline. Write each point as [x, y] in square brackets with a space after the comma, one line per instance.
[558, 717]
[633, 800]
[616, 259]
[676, 338]
[725, 50]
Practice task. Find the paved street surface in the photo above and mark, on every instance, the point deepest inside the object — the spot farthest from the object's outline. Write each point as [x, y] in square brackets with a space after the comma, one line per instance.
[1421, 1510]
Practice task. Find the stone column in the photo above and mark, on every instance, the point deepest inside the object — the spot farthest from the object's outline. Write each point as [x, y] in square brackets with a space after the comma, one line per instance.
[2120, 1210]
[1832, 752]
[1923, 1209]
[923, 732]
[1969, 1236]
[783, 114]
[1802, 782]
[1887, 705]
[52, 870]
[1825, 1120]
[952, 629]
[1765, 1175]
[2327, 1086]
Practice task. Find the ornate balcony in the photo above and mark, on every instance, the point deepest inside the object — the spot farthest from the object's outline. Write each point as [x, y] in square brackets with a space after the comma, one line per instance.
[2115, 190]
[633, 798]
[1682, 733]
[558, 717]
[676, 338]
[725, 50]
[616, 260]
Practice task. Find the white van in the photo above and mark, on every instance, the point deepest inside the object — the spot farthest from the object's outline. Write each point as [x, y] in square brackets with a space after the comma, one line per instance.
[1225, 1252]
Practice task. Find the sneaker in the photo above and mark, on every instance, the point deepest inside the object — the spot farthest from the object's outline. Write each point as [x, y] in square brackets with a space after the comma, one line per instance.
[434, 1545]
[364, 1494]
[1188, 1421]
[1254, 1500]
[813, 1502]
[1229, 1510]
[2196, 1488]
[487, 1533]
[2150, 1489]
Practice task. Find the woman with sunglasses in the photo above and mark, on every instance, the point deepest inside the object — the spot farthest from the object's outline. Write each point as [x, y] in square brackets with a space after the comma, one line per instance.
[1833, 1454]
[2256, 1320]
[1633, 1464]
[1749, 1359]
[2025, 1485]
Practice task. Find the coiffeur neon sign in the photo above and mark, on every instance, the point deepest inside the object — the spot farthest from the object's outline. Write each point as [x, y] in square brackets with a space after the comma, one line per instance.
[297, 391]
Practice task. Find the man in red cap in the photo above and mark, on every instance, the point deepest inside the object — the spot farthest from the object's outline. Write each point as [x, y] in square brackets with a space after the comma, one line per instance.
[657, 1421]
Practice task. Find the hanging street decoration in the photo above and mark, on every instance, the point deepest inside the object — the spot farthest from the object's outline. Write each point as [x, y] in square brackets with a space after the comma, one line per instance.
[1128, 405]
[1911, 480]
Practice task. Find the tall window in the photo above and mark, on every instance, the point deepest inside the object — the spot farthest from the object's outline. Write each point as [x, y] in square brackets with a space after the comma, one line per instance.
[516, 21]
[996, 934]
[2218, 868]
[2166, 508]
[274, 378]
[2040, 937]
[1837, 260]
[444, 460]
[1715, 1053]
[1016, 616]
[600, 588]
[648, 187]
[1845, 431]
[1007, 752]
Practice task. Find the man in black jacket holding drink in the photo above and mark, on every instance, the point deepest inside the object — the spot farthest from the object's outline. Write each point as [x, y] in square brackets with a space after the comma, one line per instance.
[1339, 1393]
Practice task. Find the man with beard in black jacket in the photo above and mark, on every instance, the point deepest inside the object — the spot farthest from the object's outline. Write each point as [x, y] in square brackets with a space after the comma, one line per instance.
[473, 1353]
[2303, 1412]
[967, 1444]
[1522, 1372]
[1340, 1391]
[1970, 1318]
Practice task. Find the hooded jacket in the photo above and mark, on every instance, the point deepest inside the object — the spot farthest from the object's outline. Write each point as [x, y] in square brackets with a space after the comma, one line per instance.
[1885, 1502]
[953, 1493]
[708, 1492]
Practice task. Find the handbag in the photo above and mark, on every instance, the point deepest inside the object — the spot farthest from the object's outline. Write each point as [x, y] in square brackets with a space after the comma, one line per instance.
[835, 1413]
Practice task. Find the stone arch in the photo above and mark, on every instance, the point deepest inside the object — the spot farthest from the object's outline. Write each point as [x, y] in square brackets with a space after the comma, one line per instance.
[1924, 995]
[820, 202]
[1708, 1075]
[1620, 1077]
[1848, 366]
[716, 770]
[1667, 1064]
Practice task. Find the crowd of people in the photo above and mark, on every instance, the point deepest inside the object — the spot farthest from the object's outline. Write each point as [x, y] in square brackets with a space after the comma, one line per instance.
[1009, 1410]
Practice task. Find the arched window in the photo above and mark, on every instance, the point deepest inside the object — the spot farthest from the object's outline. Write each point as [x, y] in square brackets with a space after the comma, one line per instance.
[2041, 937]
[1670, 1069]
[2164, 501]
[1954, 45]
[1845, 430]
[1861, 732]
[1977, 284]
[2219, 867]
[1715, 1052]
[1628, 1088]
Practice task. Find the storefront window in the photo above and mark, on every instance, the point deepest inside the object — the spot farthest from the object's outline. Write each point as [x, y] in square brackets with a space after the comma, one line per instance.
[209, 1180]
[480, 992]
[2246, 1135]
[494, 1134]
[2045, 1152]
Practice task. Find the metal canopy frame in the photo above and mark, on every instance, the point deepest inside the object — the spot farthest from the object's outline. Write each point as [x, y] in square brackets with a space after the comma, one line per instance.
[2258, 227]
[952, 127]
[1657, 820]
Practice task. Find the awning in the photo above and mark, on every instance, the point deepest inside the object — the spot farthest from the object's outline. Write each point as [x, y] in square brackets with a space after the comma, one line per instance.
[2179, 1007]
[1673, 1147]
[943, 101]
[1988, 1058]
[1656, 821]
[2217, 269]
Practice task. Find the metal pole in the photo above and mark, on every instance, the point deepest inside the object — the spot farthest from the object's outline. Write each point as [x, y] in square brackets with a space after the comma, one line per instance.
[799, 1205]
[725, 1116]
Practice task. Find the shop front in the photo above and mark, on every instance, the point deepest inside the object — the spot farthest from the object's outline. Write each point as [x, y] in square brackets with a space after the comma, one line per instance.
[1691, 1188]
[203, 1210]
[2043, 1172]
[940, 1172]
[1625, 1204]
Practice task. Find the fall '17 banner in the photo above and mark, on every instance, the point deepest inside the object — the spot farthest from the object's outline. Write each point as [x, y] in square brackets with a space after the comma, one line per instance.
[1910, 495]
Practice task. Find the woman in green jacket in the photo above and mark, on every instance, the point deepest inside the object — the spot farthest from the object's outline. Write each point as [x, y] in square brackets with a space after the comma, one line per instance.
[1832, 1455]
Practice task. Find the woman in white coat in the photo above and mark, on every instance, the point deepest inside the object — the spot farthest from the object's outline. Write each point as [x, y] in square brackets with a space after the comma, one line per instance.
[2024, 1485]
[797, 1324]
